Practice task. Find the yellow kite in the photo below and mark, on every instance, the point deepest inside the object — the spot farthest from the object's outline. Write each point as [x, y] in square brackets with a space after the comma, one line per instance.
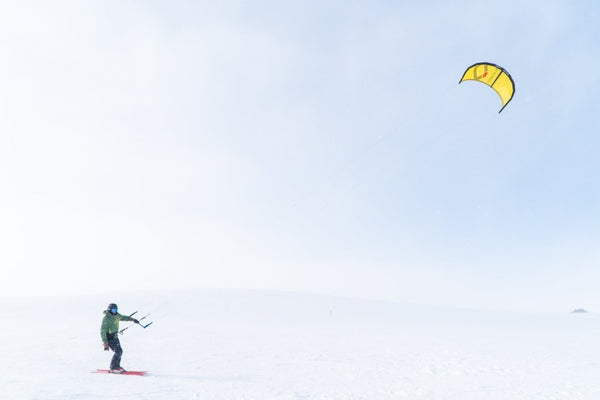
[495, 77]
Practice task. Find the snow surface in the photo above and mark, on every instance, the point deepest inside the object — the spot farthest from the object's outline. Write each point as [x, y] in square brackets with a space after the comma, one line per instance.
[227, 344]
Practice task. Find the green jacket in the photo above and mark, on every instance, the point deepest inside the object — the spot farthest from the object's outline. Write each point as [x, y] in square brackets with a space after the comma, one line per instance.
[110, 324]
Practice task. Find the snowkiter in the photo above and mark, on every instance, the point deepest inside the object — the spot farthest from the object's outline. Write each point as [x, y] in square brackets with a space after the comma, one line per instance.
[109, 331]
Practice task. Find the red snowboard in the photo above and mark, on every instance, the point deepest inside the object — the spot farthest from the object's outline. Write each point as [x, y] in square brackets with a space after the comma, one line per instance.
[106, 371]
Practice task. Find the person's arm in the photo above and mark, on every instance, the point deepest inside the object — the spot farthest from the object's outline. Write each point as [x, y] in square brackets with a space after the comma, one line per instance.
[128, 318]
[104, 333]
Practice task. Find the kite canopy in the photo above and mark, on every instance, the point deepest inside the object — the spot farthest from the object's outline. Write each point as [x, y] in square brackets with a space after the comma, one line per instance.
[495, 77]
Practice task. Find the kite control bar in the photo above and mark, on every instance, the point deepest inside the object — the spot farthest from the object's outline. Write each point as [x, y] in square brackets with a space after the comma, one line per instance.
[139, 322]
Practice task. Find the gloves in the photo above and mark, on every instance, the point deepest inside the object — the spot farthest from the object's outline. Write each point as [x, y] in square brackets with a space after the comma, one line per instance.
[135, 321]
[105, 346]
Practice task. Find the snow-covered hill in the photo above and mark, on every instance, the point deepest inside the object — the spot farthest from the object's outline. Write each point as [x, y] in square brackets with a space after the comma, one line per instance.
[228, 344]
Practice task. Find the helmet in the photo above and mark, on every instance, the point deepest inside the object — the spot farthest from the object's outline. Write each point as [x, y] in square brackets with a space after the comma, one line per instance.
[112, 308]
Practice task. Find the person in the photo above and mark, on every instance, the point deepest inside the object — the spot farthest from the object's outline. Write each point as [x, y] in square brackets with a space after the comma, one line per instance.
[109, 331]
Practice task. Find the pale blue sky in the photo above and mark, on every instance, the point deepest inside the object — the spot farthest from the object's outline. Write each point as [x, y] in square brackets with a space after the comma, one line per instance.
[311, 146]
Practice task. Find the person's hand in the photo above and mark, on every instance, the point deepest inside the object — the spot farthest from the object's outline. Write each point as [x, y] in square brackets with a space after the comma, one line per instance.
[105, 346]
[135, 321]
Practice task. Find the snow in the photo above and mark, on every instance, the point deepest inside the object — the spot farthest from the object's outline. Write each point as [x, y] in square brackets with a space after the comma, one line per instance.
[234, 344]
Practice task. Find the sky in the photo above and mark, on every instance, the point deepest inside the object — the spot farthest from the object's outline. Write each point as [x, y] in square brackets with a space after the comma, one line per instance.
[308, 146]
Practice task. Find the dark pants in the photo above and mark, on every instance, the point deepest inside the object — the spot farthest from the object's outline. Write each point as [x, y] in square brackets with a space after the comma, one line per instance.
[115, 345]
